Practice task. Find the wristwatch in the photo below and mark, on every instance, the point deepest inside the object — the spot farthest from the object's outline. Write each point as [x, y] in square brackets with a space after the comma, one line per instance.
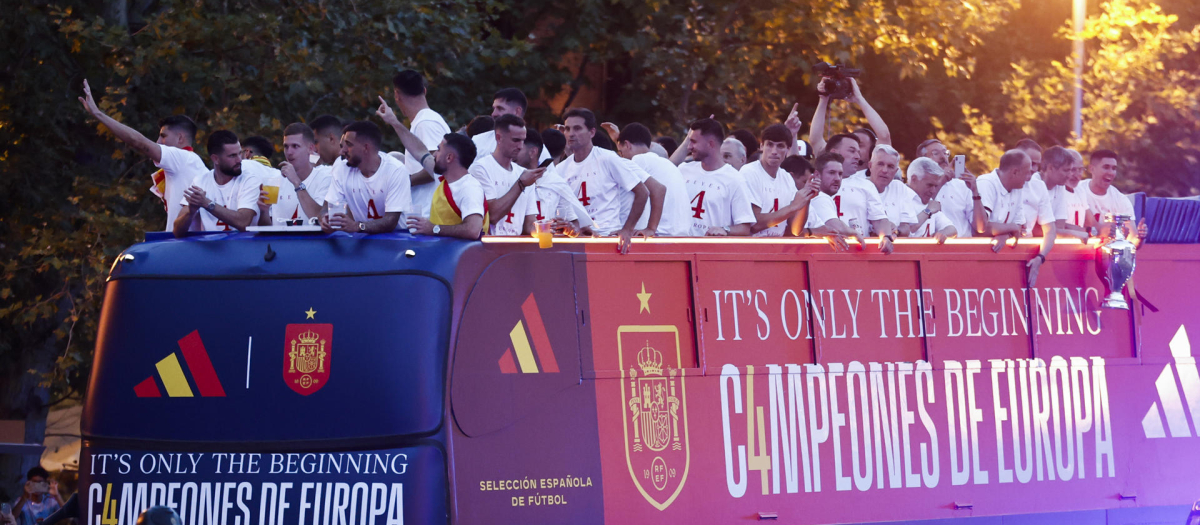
[927, 212]
[301, 187]
[210, 206]
[437, 229]
[362, 226]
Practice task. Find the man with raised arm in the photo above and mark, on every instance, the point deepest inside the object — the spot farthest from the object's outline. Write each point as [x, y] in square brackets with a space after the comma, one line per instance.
[408, 91]
[925, 179]
[225, 198]
[507, 101]
[823, 217]
[370, 190]
[1003, 202]
[776, 199]
[816, 134]
[718, 192]
[668, 212]
[327, 130]
[458, 207]
[172, 153]
[504, 181]
[599, 177]
[304, 186]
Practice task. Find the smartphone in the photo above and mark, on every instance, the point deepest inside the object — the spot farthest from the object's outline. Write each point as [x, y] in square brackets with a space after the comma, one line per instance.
[960, 165]
[545, 163]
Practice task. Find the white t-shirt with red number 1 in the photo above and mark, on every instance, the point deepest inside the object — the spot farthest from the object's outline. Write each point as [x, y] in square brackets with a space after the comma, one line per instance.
[719, 198]
[241, 192]
[821, 210]
[1070, 206]
[934, 224]
[386, 191]
[999, 204]
[181, 168]
[769, 193]
[598, 182]
[858, 203]
[496, 181]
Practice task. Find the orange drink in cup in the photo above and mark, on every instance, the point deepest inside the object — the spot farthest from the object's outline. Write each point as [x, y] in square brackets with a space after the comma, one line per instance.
[271, 186]
[543, 232]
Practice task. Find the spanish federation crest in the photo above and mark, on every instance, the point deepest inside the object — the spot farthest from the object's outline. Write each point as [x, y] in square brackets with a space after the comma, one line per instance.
[307, 357]
[655, 404]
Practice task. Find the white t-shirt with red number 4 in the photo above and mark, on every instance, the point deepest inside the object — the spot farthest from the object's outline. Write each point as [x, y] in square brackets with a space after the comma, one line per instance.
[769, 193]
[598, 182]
[858, 203]
[239, 193]
[496, 181]
[386, 191]
[719, 198]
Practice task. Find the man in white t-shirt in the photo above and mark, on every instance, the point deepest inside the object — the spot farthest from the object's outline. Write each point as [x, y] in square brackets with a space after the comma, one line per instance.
[225, 198]
[507, 101]
[599, 176]
[458, 206]
[1002, 200]
[1036, 208]
[774, 197]
[408, 91]
[667, 214]
[551, 196]
[823, 218]
[860, 206]
[733, 152]
[718, 193]
[172, 153]
[327, 130]
[924, 178]
[1070, 206]
[896, 197]
[957, 195]
[370, 186]
[504, 181]
[303, 186]
[1103, 199]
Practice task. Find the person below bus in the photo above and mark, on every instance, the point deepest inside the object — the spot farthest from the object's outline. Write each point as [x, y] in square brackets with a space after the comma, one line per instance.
[775, 197]
[599, 177]
[225, 198]
[634, 142]
[1002, 200]
[897, 198]
[303, 189]
[924, 177]
[718, 192]
[859, 204]
[369, 191]
[823, 219]
[1103, 199]
[172, 153]
[504, 180]
[39, 498]
[457, 207]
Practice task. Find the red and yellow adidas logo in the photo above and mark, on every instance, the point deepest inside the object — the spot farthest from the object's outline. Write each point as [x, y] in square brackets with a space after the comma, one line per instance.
[520, 343]
[173, 378]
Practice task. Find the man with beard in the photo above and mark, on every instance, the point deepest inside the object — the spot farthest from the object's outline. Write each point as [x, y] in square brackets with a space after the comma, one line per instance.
[172, 153]
[458, 207]
[924, 179]
[1036, 207]
[599, 177]
[881, 134]
[223, 197]
[303, 189]
[507, 101]
[719, 193]
[327, 130]
[370, 190]
[776, 199]
[823, 219]
[504, 181]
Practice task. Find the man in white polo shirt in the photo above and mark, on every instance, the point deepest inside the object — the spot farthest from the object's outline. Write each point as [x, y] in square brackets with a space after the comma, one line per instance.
[897, 197]
[599, 176]
[370, 186]
[504, 181]
[1002, 200]
[303, 188]
[225, 198]
[718, 193]
[408, 90]
[172, 153]
[924, 178]
[665, 184]
[1103, 199]
[774, 197]
[861, 207]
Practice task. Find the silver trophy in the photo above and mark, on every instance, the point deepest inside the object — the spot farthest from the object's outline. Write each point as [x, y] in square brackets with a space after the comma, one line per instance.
[1115, 261]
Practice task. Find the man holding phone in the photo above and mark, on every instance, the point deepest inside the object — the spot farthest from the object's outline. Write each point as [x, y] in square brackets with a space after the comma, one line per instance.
[959, 193]
[39, 500]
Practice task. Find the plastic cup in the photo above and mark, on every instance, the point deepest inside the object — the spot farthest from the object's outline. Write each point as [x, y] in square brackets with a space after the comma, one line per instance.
[543, 231]
[271, 186]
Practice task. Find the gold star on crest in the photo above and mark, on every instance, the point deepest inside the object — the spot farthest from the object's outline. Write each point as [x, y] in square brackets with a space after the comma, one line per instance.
[645, 300]
[310, 313]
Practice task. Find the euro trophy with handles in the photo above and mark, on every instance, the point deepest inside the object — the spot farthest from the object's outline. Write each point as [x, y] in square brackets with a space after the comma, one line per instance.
[1115, 262]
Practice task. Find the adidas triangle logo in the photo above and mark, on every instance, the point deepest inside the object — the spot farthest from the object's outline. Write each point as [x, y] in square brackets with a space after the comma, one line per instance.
[1169, 397]
[172, 375]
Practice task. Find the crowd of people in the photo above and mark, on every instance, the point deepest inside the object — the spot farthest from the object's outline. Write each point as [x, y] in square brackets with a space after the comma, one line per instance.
[499, 176]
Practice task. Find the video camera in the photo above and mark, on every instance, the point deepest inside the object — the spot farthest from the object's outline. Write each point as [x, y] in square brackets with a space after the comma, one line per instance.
[837, 79]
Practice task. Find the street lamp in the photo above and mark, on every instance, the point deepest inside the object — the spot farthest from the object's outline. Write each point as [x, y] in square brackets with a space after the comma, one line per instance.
[1080, 13]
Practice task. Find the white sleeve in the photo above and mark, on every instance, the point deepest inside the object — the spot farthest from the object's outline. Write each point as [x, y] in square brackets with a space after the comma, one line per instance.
[247, 197]
[625, 172]
[399, 195]
[987, 197]
[1047, 212]
[470, 202]
[753, 191]
[940, 221]
[1061, 204]
[739, 203]
[430, 134]
[171, 160]
[908, 213]
[875, 209]
[336, 193]
[820, 211]
[319, 187]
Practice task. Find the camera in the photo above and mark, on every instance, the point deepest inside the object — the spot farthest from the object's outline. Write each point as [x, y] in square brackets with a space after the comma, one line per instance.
[837, 79]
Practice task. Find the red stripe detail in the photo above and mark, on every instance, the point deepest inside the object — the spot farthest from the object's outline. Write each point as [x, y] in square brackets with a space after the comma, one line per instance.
[450, 198]
[201, 367]
[147, 388]
[507, 365]
[537, 331]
